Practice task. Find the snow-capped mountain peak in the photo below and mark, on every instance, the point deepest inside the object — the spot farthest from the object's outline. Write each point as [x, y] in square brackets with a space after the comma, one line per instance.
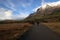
[53, 4]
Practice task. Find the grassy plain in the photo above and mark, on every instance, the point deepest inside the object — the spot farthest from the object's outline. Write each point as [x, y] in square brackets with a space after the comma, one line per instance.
[13, 30]
[55, 26]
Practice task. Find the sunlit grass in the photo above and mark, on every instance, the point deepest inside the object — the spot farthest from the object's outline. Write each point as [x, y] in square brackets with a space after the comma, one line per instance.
[55, 26]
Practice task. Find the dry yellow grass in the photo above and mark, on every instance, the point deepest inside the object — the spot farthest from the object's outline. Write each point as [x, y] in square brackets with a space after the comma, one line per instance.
[12, 31]
[53, 26]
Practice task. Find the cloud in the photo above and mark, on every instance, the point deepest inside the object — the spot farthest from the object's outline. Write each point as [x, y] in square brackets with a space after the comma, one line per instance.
[35, 9]
[5, 14]
[20, 16]
[52, 4]
[10, 5]
[26, 3]
[8, 14]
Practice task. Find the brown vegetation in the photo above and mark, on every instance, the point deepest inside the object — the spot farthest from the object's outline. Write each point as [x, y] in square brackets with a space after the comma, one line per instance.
[13, 31]
[55, 26]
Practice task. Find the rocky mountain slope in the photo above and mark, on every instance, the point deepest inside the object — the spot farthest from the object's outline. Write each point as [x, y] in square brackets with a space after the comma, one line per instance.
[46, 13]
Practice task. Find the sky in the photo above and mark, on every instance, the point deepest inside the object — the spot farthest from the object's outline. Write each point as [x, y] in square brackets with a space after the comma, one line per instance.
[19, 9]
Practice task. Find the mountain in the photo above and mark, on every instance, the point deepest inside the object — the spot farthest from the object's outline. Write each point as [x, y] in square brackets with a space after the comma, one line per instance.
[46, 13]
